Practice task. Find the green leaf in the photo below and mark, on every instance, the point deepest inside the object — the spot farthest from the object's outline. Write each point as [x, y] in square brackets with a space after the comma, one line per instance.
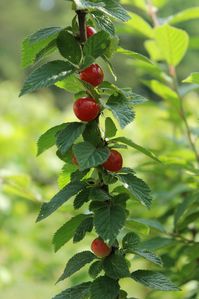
[49, 49]
[138, 188]
[59, 199]
[36, 42]
[48, 139]
[112, 48]
[120, 108]
[89, 156]
[96, 46]
[130, 241]
[148, 255]
[134, 55]
[103, 22]
[65, 175]
[115, 266]
[172, 42]
[136, 146]
[139, 25]
[47, 75]
[80, 291]
[153, 50]
[185, 15]
[77, 262]
[193, 78]
[85, 226]
[104, 287]
[98, 194]
[95, 269]
[154, 280]
[110, 128]
[66, 232]
[68, 47]
[71, 84]
[81, 198]
[108, 221]
[183, 207]
[156, 243]
[92, 133]
[151, 223]
[67, 136]
[114, 9]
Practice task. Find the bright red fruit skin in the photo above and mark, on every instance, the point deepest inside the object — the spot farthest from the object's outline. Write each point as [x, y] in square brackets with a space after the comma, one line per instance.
[86, 109]
[99, 248]
[93, 75]
[90, 31]
[114, 162]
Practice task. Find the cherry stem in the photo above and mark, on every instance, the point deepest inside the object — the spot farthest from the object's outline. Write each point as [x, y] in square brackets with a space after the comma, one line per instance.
[82, 25]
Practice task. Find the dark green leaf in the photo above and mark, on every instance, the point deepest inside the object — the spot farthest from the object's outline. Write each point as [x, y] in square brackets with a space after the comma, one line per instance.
[80, 291]
[95, 269]
[130, 241]
[68, 47]
[92, 133]
[66, 232]
[154, 280]
[115, 266]
[98, 194]
[77, 262]
[110, 128]
[48, 139]
[67, 136]
[81, 198]
[59, 199]
[85, 226]
[156, 243]
[104, 287]
[89, 156]
[103, 22]
[114, 9]
[47, 75]
[148, 255]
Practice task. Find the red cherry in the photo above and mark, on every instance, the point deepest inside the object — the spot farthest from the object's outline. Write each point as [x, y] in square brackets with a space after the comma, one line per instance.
[100, 248]
[74, 160]
[86, 109]
[90, 31]
[93, 75]
[114, 162]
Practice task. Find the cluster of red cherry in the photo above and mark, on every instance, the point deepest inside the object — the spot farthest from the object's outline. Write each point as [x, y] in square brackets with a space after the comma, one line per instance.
[87, 109]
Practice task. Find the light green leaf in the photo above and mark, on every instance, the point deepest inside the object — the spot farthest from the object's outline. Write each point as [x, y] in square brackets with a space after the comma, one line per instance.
[67, 136]
[68, 47]
[77, 262]
[47, 75]
[185, 15]
[103, 22]
[151, 223]
[104, 287]
[134, 55]
[65, 175]
[154, 280]
[193, 78]
[48, 139]
[172, 42]
[156, 243]
[110, 128]
[71, 84]
[115, 266]
[89, 156]
[138, 24]
[36, 42]
[66, 232]
[153, 50]
[136, 146]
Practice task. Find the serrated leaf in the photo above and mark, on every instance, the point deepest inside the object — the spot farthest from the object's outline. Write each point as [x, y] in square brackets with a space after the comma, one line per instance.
[92, 133]
[77, 262]
[193, 78]
[67, 136]
[36, 42]
[71, 84]
[134, 55]
[114, 9]
[89, 156]
[48, 139]
[50, 48]
[172, 42]
[104, 287]
[151, 223]
[115, 266]
[130, 241]
[68, 47]
[154, 280]
[47, 75]
[148, 255]
[103, 22]
[95, 269]
[98, 194]
[80, 291]
[138, 188]
[133, 98]
[120, 108]
[108, 221]
[81, 198]
[85, 226]
[141, 149]
[66, 232]
[185, 15]
[59, 199]
[65, 175]
[110, 128]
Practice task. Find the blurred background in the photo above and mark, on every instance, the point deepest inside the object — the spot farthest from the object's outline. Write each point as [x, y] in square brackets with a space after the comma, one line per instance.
[28, 265]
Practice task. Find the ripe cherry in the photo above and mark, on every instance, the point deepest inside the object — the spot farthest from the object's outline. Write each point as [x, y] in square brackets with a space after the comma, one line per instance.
[100, 248]
[90, 31]
[93, 75]
[114, 162]
[86, 109]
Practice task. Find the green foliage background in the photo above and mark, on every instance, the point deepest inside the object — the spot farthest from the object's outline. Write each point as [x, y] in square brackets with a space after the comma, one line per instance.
[28, 265]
